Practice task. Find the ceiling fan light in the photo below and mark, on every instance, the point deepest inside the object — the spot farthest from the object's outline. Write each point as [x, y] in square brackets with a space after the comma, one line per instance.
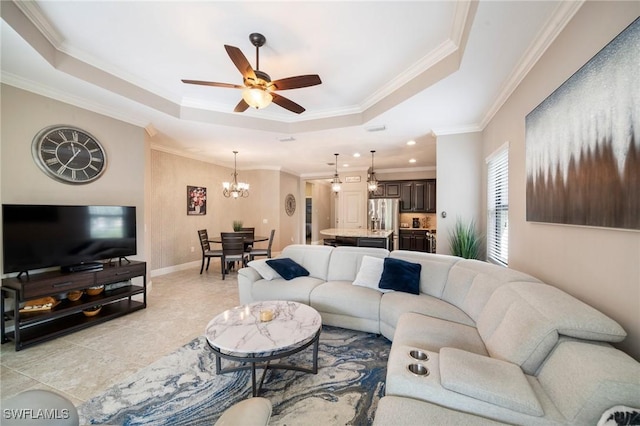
[256, 98]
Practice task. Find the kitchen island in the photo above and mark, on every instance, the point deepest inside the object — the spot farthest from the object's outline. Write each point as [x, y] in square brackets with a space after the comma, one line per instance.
[358, 237]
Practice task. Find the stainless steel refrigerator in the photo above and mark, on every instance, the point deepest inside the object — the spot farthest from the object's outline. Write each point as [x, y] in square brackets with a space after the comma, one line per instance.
[384, 213]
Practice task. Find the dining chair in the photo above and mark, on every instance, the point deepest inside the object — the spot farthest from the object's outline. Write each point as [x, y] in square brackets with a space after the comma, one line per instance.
[248, 233]
[232, 251]
[263, 252]
[207, 253]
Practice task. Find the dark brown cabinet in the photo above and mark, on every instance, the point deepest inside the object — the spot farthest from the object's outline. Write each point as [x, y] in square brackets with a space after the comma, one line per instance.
[414, 240]
[387, 190]
[430, 196]
[29, 328]
[418, 196]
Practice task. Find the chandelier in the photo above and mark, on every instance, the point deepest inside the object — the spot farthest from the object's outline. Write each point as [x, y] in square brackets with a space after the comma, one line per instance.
[235, 189]
[336, 182]
[372, 183]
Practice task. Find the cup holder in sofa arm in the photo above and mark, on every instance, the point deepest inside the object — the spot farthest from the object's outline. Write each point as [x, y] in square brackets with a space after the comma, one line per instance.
[419, 355]
[418, 369]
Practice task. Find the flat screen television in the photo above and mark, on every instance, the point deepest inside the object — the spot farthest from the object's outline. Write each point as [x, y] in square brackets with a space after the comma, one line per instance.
[43, 236]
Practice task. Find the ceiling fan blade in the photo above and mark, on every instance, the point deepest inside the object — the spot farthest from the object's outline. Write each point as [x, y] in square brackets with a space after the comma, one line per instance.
[241, 107]
[241, 62]
[287, 103]
[212, 83]
[296, 82]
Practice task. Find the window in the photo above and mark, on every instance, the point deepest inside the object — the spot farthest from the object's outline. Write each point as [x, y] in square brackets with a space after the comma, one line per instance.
[498, 206]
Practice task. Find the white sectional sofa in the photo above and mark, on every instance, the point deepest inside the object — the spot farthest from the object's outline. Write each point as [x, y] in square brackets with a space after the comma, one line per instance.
[502, 346]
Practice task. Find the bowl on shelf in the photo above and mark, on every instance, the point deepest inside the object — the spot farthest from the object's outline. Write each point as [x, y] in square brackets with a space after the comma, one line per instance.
[92, 311]
[75, 295]
[94, 291]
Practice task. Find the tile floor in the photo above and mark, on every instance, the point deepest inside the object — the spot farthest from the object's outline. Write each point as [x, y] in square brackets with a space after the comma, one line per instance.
[87, 362]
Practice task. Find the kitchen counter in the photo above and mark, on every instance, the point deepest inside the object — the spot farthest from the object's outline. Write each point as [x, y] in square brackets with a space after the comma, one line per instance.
[358, 237]
[433, 231]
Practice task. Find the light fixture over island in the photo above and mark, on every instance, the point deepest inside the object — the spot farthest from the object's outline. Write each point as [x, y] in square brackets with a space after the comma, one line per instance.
[358, 237]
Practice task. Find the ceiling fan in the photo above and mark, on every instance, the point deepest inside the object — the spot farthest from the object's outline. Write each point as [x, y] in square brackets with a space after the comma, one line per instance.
[259, 90]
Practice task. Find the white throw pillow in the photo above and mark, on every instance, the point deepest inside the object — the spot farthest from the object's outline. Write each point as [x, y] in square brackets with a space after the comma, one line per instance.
[266, 271]
[370, 273]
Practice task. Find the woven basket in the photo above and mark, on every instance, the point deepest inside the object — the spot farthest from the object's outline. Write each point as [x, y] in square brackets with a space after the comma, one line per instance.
[94, 291]
[92, 311]
[75, 295]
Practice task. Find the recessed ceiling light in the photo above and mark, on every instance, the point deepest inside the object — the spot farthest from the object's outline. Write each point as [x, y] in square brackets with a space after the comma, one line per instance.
[356, 154]
[345, 165]
[411, 142]
[413, 160]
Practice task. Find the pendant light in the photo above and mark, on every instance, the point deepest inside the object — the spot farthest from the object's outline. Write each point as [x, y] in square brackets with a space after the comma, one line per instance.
[336, 182]
[234, 188]
[372, 182]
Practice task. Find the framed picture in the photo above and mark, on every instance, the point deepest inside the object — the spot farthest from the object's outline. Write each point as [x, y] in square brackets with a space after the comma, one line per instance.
[583, 143]
[196, 200]
[352, 179]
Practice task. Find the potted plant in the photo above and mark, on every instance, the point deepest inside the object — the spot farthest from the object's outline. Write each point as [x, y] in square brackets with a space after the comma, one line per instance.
[465, 241]
[237, 225]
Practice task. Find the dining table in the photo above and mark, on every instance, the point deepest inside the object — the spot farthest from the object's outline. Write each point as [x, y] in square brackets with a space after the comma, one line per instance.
[247, 240]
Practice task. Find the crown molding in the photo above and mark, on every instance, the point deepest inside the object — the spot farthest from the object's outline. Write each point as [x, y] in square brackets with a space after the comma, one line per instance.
[560, 17]
[32, 11]
[64, 97]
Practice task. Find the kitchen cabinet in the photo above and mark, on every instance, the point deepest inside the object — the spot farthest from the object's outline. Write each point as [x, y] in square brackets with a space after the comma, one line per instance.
[414, 240]
[388, 189]
[418, 196]
[430, 198]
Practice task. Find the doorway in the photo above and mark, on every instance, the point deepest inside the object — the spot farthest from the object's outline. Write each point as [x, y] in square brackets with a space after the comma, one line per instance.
[308, 219]
[318, 209]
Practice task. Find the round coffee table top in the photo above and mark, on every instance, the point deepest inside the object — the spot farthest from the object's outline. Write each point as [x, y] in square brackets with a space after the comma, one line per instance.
[240, 330]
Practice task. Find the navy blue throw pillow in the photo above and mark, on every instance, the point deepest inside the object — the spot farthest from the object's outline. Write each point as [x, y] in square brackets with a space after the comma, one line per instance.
[287, 268]
[400, 275]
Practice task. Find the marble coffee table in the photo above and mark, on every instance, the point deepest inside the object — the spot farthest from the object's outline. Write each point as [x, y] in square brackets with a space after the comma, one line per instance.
[245, 334]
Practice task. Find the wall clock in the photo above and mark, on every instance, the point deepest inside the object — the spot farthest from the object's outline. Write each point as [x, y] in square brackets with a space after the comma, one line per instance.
[69, 154]
[290, 204]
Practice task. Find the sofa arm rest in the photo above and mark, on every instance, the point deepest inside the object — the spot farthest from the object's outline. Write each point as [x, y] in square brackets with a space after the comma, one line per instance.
[246, 278]
[250, 274]
[488, 379]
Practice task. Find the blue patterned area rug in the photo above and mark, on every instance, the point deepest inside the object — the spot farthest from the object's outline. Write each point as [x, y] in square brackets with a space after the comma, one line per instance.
[183, 388]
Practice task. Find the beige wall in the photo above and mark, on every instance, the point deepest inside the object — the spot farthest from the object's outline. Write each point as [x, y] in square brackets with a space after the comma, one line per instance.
[174, 238]
[597, 265]
[291, 227]
[458, 184]
[426, 174]
[24, 114]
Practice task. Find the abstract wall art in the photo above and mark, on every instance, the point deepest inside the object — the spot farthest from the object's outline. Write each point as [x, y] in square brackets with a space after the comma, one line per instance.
[583, 143]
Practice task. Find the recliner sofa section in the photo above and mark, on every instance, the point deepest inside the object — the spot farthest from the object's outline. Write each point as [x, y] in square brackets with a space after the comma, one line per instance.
[502, 345]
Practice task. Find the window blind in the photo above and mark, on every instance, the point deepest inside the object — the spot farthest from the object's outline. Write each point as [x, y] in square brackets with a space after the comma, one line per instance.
[498, 206]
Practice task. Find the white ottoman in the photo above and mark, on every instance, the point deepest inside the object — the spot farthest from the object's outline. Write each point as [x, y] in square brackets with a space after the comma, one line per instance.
[39, 407]
[250, 412]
